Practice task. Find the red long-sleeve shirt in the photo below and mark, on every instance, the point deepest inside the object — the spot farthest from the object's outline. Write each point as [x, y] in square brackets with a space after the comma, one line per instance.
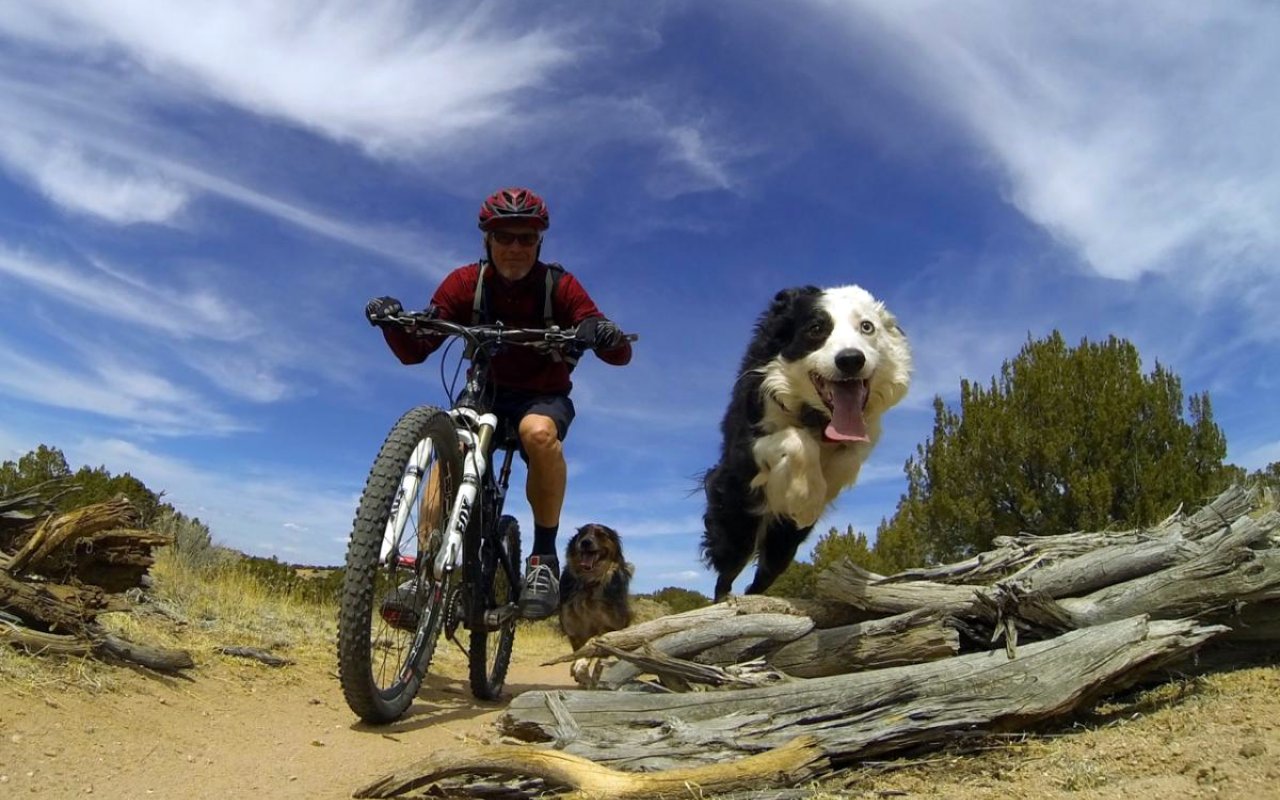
[518, 304]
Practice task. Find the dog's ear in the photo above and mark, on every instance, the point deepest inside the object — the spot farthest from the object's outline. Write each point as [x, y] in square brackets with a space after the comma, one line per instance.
[785, 300]
[889, 321]
[777, 325]
[615, 538]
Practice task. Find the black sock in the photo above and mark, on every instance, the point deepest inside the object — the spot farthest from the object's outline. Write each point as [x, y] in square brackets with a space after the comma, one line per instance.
[544, 539]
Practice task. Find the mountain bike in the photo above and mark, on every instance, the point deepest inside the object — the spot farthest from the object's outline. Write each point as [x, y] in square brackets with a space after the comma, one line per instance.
[430, 550]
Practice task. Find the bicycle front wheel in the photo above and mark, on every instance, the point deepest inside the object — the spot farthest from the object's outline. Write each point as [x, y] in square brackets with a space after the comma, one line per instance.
[392, 609]
[495, 580]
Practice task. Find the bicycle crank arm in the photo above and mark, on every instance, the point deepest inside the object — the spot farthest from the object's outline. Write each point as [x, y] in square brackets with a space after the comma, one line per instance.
[497, 617]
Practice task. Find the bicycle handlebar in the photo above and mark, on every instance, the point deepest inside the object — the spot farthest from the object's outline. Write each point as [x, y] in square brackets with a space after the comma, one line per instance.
[481, 335]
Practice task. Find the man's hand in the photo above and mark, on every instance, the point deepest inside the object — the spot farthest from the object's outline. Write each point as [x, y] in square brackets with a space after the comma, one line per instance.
[379, 308]
[599, 333]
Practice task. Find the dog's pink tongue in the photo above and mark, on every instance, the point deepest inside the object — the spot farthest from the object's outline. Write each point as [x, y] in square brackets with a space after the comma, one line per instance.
[847, 424]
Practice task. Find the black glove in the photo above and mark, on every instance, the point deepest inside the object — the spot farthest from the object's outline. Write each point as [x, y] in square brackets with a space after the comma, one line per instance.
[599, 333]
[379, 308]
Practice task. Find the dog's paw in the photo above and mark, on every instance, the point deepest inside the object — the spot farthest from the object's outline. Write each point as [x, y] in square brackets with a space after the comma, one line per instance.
[582, 673]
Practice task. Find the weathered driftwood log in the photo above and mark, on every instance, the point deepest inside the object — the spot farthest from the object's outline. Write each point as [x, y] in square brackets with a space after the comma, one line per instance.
[115, 560]
[775, 628]
[876, 596]
[1170, 577]
[681, 675]
[160, 659]
[1106, 566]
[56, 531]
[1110, 566]
[911, 638]
[20, 510]
[40, 643]
[1226, 572]
[1198, 587]
[820, 613]
[97, 642]
[788, 764]
[66, 570]
[1013, 554]
[62, 608]
[861, 714]
[92, 545]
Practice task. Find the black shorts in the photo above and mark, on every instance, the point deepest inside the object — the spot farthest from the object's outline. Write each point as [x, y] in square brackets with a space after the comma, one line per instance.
[511, 406]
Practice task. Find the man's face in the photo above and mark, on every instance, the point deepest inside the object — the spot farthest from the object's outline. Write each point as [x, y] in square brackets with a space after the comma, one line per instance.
[514, 249]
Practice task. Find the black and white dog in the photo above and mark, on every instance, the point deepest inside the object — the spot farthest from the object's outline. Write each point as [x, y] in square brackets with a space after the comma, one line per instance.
[821, 369]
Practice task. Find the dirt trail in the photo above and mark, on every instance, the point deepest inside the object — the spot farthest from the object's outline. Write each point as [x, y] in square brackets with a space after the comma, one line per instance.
[231, 731]
[237, 729]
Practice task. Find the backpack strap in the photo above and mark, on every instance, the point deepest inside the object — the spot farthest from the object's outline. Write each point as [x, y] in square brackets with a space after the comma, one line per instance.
[478, 306]
[554, 273]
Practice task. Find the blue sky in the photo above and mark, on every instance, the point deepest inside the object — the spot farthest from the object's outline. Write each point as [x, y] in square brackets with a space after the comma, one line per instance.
[196, 200]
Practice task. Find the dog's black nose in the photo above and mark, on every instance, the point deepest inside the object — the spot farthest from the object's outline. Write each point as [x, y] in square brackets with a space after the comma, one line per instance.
[850, 361]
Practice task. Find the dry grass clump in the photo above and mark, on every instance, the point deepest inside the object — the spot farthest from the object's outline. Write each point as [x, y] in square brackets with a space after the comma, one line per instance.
[29, 675]
[195, 607]
[227, 606]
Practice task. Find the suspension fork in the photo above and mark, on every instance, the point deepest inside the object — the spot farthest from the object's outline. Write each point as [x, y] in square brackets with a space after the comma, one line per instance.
[402, 505]
[475, 432]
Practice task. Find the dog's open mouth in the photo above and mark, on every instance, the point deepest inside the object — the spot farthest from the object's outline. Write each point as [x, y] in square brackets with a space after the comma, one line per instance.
[845, 400]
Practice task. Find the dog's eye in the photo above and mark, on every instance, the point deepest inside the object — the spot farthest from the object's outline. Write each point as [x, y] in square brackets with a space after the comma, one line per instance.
[816, 330]
[868, 327]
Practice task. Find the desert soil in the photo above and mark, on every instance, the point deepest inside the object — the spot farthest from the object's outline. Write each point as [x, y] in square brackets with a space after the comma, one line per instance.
[237, 729]
[228, 730]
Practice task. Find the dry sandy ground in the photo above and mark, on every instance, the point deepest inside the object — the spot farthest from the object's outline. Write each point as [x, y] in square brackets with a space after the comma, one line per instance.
[230, 731]
[238, 729]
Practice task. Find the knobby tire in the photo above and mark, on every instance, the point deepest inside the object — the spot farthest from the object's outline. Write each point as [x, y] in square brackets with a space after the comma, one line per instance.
[494, 578]
[379, 672]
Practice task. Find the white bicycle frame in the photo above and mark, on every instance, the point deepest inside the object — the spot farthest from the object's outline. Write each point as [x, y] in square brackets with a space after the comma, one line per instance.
[474, 433]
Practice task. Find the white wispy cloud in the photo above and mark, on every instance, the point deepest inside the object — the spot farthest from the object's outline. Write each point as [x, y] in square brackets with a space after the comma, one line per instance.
[246, 375]
[196, 312]
[1141, 136]
[112, 146]
[394, 81]
[387, 75]
[111, 387]
[701, 160]
[76, 180]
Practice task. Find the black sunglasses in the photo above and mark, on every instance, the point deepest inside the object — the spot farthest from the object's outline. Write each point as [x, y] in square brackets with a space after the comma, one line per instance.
[506, 237]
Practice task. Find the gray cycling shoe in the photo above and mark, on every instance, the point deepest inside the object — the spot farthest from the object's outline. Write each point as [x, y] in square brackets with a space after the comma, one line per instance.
[540, 596]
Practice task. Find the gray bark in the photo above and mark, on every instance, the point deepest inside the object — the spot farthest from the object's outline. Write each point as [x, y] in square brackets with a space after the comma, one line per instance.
[860, 714]
[911, 638]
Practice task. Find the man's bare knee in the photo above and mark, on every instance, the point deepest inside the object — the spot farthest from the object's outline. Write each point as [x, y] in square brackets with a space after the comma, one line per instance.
[539, 435]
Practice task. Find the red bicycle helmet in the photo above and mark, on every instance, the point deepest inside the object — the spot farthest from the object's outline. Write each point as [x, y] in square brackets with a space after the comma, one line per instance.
[514, 204]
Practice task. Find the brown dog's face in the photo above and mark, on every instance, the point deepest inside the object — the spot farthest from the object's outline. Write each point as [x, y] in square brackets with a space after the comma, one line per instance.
[594, 552]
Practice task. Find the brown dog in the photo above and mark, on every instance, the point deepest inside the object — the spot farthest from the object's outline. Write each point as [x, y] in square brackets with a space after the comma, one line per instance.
[594, 585]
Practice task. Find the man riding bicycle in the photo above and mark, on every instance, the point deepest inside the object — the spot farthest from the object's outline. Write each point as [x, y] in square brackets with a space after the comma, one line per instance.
[511, 285]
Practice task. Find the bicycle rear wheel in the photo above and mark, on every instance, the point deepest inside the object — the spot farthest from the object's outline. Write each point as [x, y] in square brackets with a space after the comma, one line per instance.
[392, 608]
[495, 587]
